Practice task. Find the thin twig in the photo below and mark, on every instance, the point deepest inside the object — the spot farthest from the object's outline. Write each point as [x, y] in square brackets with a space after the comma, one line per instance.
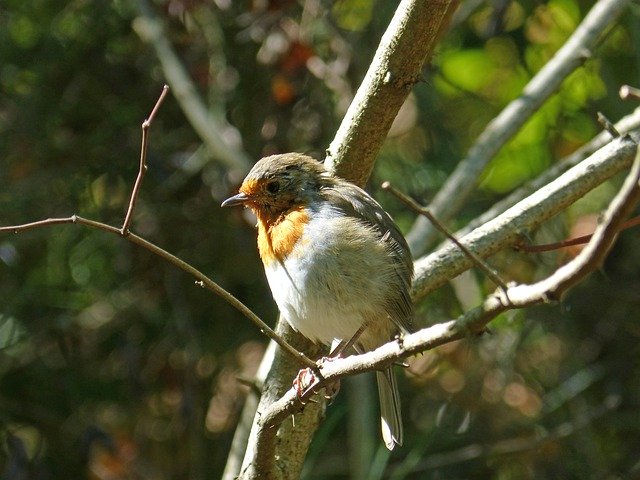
[143, 162]
[201, 279]
[419, 209]
[607, 125]
[629, 93]
[581, 240]
[252, 383]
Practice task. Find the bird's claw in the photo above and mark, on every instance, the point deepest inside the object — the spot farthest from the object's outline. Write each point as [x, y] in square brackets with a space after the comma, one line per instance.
[306, 383]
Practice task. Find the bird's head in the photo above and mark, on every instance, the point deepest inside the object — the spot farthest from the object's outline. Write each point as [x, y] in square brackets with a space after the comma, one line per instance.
[279, 183]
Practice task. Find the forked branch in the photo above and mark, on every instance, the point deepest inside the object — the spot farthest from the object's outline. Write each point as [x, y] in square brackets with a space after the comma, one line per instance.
[143, 162]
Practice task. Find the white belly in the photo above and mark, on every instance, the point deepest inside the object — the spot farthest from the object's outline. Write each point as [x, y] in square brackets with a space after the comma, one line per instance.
[327, 290]
[316, 315]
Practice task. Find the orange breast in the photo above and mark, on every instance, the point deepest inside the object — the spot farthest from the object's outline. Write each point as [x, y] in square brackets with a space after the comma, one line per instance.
[277, 236]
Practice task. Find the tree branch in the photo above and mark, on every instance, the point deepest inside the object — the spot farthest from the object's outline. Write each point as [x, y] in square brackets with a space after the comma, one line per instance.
[201, 279]
[143, 162]
[627, 124]
[497, 133]
[396, 67]
[437, 268]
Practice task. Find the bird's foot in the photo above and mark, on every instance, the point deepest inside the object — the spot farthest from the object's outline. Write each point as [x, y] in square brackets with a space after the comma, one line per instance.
[307, 380]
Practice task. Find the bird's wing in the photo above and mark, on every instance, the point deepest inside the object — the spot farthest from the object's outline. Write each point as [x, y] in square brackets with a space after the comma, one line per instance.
[355, 202]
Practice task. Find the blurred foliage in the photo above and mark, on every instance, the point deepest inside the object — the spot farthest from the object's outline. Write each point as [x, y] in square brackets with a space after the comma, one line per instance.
[114, 365]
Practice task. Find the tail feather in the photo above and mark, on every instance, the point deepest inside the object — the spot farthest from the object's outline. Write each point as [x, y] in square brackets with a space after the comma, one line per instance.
[390, 413]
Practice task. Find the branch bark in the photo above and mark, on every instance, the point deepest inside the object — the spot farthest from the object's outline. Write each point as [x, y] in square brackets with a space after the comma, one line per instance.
[437, 268]
[279, 453]
[396, 67]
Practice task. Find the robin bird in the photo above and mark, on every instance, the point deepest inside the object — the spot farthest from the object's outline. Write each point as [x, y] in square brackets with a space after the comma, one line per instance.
[339, 269]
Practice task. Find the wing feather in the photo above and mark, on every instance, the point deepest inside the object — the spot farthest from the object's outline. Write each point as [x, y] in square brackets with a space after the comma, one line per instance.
[355, 202]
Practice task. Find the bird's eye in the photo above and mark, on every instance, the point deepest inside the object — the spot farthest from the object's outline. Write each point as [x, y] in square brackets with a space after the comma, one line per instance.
[273, 186]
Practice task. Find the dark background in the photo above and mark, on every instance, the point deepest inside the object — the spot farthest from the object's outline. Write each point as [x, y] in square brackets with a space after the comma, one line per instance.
[113, 364]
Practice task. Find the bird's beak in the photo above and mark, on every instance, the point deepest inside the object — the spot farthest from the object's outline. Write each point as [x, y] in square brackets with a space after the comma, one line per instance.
[238, 199]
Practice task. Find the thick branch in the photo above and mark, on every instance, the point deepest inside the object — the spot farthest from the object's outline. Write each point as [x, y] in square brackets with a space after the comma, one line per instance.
[279, 453]
[397, 66]
[463, 180]
[436, 269]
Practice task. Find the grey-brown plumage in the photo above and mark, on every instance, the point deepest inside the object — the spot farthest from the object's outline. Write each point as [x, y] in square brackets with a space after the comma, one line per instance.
[335, 261]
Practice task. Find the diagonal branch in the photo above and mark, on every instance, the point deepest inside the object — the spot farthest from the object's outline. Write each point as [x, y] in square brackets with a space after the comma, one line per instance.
[463, 180]
[581, 240]
[396, 67]
[627, 124]
[437, 268]
[201, 279]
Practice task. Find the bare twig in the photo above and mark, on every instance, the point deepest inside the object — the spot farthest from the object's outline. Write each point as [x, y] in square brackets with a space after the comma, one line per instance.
[201, 279]
[463, 180]
[420, 210]
[143, 162]
[581, 240]
[629, 93]
[607, 125]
